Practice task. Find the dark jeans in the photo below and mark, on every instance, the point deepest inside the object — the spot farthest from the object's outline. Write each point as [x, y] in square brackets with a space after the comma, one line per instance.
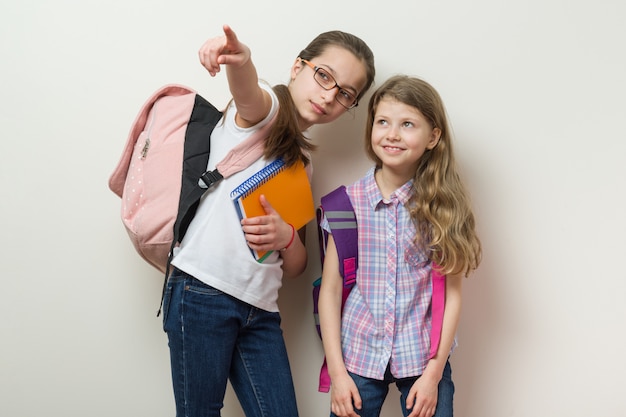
[373, 393]
[214, 337]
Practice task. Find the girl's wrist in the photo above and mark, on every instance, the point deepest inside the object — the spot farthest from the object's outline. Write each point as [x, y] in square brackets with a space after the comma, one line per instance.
[434, 370]
[293, 235]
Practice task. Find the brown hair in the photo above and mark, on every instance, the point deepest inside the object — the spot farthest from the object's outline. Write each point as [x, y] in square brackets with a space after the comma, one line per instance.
[286, 140]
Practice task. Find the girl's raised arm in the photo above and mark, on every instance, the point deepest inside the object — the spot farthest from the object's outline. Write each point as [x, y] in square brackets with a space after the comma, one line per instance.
[253, 104]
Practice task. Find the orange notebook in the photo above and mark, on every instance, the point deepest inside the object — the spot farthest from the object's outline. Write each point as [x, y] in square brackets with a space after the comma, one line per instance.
[288, 190]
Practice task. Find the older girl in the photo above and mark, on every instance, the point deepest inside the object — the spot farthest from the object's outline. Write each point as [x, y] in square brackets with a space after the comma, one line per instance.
[220, 307]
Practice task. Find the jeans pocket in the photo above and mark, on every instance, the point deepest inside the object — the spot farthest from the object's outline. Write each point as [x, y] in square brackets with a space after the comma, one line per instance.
[196, 286]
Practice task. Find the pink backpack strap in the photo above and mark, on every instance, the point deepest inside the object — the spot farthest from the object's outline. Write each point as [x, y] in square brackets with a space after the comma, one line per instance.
[248, 151]
[240, 157]
[324, 384]
[437, 307]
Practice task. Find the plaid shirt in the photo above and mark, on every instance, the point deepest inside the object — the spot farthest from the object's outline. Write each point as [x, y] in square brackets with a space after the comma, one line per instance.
[386, 319]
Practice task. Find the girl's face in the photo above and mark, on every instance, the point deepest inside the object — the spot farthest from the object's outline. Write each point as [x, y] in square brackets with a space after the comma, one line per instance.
[400, 136]
[316, 105]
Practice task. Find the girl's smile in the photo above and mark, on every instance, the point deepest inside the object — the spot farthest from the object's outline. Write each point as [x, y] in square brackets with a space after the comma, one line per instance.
[392, 149]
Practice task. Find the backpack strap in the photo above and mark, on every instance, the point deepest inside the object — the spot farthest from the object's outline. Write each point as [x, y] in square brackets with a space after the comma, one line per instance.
[339, 212]
[238, 158]
[197, 147]
[437, 306]
[337, 208]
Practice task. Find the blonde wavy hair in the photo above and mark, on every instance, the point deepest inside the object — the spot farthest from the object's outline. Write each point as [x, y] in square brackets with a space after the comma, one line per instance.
[440, 206]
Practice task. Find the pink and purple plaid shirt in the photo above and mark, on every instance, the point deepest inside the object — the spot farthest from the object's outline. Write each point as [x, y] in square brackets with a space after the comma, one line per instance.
[386, 319]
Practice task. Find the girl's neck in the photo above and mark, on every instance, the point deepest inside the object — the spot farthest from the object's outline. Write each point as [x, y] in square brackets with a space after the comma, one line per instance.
[389, 181]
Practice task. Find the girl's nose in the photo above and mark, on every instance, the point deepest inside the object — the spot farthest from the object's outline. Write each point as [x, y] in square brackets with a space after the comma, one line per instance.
[329, 95]
[393, 133]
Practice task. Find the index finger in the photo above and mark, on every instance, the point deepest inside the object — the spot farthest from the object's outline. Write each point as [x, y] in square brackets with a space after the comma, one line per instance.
[231, 37]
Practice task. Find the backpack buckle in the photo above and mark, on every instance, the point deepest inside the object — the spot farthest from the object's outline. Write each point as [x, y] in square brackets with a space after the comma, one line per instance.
[209, 178]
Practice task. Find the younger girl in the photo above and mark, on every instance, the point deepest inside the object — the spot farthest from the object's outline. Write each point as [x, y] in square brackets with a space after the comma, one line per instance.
[412, 212]
[220, 305]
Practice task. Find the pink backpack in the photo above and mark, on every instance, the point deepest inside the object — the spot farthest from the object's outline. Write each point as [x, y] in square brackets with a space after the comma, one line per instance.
[162, 172]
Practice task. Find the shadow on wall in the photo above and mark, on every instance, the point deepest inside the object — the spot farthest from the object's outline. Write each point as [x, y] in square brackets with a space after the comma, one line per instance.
[484, 337]
[340, 156]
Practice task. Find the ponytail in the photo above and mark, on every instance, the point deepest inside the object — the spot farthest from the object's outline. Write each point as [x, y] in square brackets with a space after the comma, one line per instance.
[286, 140]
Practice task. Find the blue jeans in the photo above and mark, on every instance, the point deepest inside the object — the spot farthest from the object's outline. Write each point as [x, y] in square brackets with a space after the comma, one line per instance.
[214, 337]
[373, 393]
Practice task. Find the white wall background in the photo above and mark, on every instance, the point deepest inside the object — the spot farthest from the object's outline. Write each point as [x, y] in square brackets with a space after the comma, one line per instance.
[536, 94]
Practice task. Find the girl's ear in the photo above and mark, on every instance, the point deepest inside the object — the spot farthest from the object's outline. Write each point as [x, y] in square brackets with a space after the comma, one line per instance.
[296, 68]
[435, 135]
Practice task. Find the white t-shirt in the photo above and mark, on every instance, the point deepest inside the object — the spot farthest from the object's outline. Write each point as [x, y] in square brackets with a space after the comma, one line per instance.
[214, 249]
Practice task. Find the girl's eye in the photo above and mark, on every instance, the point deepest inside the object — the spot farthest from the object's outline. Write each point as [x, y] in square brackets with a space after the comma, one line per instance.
[323, 75]
[407, 124]
[346, 95]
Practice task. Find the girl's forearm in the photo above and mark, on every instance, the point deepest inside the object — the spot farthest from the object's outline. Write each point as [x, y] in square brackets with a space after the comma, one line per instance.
[329, 307]
[294, 258]
[253, 104]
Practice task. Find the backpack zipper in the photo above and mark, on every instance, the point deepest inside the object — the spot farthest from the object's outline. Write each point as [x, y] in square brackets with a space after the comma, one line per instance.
[145, 148]
[146, 145]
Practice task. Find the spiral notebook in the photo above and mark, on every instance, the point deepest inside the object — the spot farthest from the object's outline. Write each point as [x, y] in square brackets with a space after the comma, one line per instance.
[287, 189]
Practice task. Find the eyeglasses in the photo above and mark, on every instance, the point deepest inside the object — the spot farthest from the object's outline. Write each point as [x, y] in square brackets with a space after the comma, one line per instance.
[327, 82]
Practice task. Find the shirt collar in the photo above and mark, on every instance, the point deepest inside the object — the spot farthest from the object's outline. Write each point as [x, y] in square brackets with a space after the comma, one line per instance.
[402, 194]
